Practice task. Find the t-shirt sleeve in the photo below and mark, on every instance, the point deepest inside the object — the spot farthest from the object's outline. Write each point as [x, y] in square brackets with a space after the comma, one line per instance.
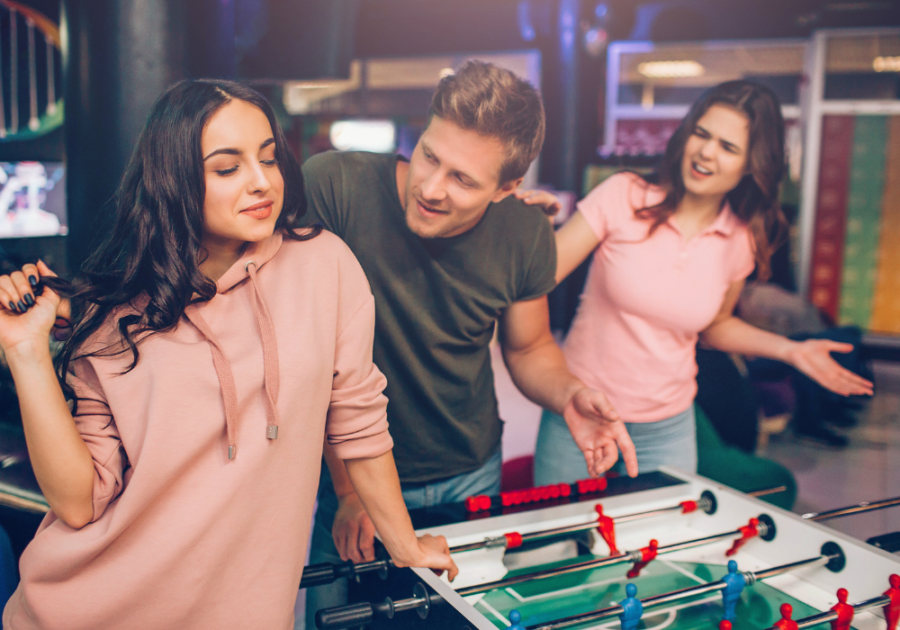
[600, 205]
[540, 275]
[357, 417]
[97, 427]
[744, 260]
[323, 182]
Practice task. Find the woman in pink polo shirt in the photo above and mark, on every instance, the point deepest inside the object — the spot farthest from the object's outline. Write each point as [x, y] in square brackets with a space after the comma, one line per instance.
[669, 263]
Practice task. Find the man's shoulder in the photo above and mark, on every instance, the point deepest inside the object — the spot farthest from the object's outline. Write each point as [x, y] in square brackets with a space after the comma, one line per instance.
[517, 219]
[355, 162]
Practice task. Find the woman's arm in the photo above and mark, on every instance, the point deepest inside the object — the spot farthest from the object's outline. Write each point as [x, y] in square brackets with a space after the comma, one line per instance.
[812, 357]
[574, 243]
[61, 460]
[378, 487]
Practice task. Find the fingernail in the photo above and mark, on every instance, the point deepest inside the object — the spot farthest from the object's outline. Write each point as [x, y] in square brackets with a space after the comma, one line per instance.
[12, 307]
[29, 299]
[33, 280]
[22, 307]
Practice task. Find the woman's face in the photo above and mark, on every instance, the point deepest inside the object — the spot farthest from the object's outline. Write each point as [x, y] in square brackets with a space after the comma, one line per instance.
[715, 155]
[244, 186]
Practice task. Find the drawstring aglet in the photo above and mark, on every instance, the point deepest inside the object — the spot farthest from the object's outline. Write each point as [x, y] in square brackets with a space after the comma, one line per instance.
[272, 431]
[230, 452]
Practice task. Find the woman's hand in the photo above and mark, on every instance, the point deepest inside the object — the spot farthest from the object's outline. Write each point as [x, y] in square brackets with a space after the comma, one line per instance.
[813, 358]
[548, 202]
[28, 311]
[432, 553]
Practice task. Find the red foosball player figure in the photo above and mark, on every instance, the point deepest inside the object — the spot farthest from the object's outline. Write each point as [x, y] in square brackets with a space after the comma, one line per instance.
[892, 610]
[607, 529]
[844, 612]
[724, 625]
[786, 622]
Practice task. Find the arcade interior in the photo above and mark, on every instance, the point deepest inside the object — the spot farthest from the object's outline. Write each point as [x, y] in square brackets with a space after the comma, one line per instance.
[795, 498]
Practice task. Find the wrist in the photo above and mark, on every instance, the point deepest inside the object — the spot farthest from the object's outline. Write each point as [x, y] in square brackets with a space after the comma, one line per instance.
[789, 352]
[28, 351]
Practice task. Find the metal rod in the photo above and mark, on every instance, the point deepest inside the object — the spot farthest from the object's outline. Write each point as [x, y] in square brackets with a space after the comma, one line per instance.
[570, 568]
[622, 558]
[612, 611]
[767, 573]
[689, 544]
[571, 529]
[830, 615]
[766, 492]
[859, 508]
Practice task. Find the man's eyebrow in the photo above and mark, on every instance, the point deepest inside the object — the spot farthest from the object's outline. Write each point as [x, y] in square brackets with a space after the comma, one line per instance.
[230, 151]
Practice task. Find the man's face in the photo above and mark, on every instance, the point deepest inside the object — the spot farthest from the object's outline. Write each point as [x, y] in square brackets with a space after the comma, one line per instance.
[453, 176]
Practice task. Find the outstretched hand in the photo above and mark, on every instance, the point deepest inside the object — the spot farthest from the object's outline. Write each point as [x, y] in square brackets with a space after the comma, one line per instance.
[599, 432]
[28, 310]
[548, 202]
[813, 358]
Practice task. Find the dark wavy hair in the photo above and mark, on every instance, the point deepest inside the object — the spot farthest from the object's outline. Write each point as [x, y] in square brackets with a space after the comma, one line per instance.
[150, 258]
[755, 199]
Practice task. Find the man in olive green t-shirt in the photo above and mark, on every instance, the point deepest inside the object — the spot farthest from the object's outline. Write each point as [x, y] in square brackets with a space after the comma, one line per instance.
[450, 253]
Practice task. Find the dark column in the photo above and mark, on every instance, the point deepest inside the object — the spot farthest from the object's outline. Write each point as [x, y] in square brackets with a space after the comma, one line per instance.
[118, 56]
[559, 84]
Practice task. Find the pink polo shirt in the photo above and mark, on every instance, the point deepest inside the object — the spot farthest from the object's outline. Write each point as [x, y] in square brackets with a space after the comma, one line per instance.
[646, 300]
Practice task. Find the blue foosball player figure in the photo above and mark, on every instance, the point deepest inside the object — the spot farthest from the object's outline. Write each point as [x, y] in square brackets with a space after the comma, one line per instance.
[633, 609]
[514, 618]
[734, 585]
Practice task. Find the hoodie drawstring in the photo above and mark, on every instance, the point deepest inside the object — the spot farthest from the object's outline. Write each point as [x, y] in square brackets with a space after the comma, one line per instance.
[270, 353]
[223, 367]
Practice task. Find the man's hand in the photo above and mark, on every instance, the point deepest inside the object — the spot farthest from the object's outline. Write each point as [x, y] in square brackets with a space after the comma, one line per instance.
[353, 530]
[599, 432]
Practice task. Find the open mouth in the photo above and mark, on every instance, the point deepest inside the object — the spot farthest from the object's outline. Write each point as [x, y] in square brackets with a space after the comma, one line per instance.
[700, 169]
[428, 211]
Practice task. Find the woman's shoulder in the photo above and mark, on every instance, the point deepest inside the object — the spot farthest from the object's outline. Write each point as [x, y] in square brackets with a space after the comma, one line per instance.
[621, 194]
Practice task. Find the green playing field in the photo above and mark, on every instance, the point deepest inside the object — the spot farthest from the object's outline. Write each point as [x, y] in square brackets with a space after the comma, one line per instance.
[542, 601]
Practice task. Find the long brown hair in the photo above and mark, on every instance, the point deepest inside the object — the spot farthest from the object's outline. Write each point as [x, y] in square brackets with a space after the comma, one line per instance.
[755, 199]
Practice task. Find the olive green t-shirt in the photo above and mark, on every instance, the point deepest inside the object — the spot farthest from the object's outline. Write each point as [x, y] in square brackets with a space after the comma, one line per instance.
[436, 304]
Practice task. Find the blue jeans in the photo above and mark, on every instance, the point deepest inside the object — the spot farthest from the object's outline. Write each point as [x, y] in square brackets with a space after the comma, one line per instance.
[669, 442]
[484, 480]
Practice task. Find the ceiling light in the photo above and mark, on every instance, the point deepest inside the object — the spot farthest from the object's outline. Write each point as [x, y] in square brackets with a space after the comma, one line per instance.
[377, 136]
[670, 69]
[886, 64]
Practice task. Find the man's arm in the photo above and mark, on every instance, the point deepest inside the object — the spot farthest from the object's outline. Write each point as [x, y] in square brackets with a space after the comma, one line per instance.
[539, 370]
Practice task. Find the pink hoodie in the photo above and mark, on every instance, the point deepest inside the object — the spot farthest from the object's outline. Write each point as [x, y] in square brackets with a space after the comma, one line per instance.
[182, 536]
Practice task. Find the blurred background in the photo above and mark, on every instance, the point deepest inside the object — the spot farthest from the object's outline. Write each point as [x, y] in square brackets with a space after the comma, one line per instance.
[77, 78]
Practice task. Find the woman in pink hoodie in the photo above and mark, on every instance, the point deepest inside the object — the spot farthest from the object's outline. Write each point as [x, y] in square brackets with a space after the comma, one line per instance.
[216, 346]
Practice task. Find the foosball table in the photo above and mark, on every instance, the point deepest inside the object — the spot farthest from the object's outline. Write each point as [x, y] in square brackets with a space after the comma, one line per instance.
[666, 550]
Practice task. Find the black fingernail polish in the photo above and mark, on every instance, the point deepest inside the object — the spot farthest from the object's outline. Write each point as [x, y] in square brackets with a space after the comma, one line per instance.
[33, 280]
[12, 307]
[29, 299]
[22, 307]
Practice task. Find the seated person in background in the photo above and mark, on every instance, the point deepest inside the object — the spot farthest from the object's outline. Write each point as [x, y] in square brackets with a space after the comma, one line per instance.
[450, 255]
[775, 306]
[772, 308]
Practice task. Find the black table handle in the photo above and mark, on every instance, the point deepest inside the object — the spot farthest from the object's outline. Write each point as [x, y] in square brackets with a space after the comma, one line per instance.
[361, 614]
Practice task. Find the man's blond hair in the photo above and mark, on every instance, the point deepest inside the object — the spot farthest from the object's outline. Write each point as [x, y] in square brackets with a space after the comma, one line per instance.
[494, 102]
